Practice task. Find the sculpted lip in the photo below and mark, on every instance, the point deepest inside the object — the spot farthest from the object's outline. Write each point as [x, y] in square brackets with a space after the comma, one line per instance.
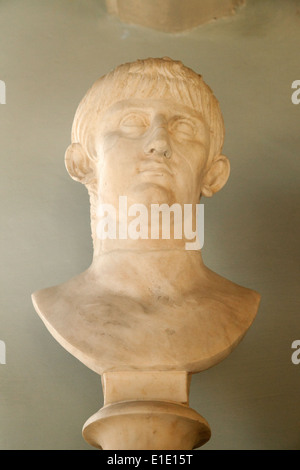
[157, 168]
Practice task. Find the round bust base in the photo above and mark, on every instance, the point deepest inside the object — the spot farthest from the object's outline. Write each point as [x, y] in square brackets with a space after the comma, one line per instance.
[146, 425]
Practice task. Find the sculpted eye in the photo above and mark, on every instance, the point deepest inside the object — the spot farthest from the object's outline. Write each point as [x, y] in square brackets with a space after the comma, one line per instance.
[183, 129]
[134, 124]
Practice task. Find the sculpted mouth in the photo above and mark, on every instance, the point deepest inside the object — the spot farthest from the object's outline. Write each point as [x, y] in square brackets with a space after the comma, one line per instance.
[158, 169]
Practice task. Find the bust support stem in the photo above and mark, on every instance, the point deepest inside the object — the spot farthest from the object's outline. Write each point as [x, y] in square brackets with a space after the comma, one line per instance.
[146, 410]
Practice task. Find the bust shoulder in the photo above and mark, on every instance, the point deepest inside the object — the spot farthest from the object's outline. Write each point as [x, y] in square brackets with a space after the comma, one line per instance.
[108, 330]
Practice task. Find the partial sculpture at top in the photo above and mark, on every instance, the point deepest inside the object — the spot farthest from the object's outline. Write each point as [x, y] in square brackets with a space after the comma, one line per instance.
[172, 15]
[152, 133]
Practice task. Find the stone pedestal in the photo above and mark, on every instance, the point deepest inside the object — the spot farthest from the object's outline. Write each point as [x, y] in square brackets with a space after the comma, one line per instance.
[146, 411]
[171, 15]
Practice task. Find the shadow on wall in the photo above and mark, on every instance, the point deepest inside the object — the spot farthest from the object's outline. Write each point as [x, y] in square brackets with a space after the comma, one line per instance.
[254, 388]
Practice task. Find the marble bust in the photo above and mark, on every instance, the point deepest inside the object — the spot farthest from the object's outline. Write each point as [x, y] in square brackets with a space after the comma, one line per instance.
[152, 131]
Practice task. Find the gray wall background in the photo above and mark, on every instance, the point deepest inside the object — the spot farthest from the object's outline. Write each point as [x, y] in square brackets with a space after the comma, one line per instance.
[50, 53]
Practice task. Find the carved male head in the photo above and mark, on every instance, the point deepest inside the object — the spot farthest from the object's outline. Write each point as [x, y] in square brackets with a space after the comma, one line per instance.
[151, 130]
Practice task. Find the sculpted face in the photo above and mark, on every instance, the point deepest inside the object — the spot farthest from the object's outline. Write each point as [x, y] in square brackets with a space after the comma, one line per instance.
[152, 151]
[152, 132]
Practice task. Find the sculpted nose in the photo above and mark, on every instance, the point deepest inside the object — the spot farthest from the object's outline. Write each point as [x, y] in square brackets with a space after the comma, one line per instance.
[158, 143]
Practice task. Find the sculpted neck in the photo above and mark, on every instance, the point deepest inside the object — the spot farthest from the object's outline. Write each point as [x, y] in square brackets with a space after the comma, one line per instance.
[151, 227]
[146, 250]
[171, 272]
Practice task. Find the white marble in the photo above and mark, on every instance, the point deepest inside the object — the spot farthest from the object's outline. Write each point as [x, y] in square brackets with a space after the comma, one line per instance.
[152, 131]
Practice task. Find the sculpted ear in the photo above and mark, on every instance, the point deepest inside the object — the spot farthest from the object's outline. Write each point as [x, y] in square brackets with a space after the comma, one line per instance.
[216, 176]
[79, 165]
